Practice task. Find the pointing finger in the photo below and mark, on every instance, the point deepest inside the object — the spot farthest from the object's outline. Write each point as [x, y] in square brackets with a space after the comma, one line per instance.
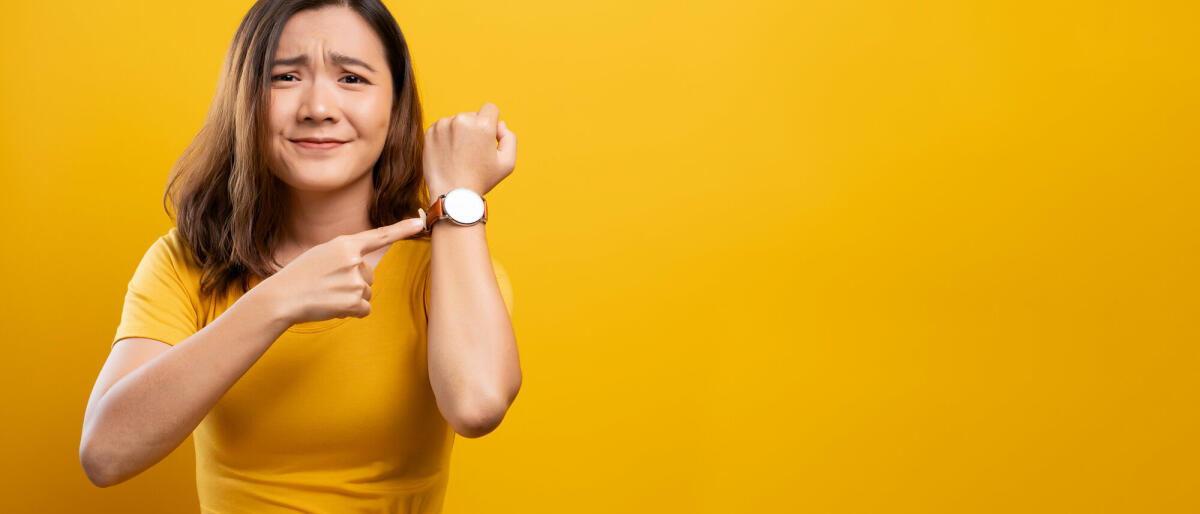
[377, 238]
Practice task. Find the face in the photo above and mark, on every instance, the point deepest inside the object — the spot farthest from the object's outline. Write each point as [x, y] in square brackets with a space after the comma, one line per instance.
[329, 81]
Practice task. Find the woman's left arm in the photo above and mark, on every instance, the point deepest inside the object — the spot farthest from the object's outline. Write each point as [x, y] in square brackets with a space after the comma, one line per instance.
[473, 364]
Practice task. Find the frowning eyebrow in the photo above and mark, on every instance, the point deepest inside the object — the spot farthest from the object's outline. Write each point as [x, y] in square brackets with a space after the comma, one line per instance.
[333, 56]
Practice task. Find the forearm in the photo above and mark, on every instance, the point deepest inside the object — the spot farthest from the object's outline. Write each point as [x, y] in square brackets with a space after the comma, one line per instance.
[148, 413]
[473, 364]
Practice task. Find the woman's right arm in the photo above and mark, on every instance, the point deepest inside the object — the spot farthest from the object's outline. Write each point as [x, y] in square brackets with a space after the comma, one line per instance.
[139, 412]
[148, 399]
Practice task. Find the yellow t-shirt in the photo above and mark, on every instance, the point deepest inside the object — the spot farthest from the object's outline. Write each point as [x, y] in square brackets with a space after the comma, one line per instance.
[337, 416]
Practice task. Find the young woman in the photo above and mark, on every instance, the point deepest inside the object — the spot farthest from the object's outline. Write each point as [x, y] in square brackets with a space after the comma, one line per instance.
[321, 342]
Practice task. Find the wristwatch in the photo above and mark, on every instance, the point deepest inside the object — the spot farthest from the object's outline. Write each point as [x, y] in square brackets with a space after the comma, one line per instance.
[460, 206]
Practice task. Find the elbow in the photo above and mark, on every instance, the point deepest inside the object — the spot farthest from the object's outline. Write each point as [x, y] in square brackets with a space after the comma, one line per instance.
[98, 470]
[483, 417]
[104, 465]
[478, 421]
[474, 425]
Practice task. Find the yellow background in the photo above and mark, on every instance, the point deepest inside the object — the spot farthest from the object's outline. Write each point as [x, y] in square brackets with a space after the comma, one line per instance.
[873, 256]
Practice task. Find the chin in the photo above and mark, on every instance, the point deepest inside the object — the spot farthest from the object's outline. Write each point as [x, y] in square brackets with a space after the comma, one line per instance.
[327, 177]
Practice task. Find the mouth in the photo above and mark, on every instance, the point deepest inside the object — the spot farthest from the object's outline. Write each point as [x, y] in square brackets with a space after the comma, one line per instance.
[318, 143]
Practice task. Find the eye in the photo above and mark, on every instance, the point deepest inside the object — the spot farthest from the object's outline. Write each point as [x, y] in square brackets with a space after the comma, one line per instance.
[357, 79]
[278, 77]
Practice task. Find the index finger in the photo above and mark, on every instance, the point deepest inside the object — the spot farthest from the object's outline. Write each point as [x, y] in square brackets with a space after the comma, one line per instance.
[490, 112]
[377, 238]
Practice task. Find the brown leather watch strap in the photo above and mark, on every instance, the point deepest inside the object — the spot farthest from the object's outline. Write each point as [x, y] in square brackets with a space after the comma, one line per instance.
[434, 213]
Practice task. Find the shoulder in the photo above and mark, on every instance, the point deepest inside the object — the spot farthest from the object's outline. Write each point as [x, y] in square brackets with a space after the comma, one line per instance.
[171, 251]
[172, 243]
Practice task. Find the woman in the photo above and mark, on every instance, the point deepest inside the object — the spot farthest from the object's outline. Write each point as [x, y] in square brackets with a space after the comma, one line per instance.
[300, 230]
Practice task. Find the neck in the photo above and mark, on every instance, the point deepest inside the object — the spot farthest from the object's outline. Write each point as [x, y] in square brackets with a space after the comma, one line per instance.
[314, 217]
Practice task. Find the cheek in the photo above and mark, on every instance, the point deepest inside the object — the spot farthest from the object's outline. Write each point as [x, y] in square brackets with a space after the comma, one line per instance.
[373, 117]
[280, 117]
[276, 122]
[275, 111]
[381, 110]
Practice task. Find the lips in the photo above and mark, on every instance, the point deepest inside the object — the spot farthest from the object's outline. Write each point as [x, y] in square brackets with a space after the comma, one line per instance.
[318, 143]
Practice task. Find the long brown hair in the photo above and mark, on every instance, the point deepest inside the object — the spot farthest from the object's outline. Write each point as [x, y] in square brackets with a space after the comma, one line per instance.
[229, 206]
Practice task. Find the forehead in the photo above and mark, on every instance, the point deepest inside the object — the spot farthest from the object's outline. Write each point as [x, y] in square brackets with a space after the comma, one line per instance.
[331, 28]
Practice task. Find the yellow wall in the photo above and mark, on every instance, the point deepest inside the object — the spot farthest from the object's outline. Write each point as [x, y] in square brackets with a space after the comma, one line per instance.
[877, 256]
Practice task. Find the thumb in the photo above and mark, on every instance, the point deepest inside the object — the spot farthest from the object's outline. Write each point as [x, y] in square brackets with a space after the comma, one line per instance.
[377, 238]
[507, 149]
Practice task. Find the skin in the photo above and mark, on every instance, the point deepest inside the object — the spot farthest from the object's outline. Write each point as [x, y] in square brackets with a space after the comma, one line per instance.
[150, 396]
[327, 190]
[473, 364]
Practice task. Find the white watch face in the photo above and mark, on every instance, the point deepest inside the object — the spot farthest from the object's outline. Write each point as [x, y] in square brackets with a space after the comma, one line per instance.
[463, 205]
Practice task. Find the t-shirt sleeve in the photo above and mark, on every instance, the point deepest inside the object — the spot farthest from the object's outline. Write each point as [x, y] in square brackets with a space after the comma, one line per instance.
[502, 280]
[157, 304]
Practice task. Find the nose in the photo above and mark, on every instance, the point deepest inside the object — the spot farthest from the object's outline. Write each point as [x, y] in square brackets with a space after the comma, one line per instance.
[318, 104]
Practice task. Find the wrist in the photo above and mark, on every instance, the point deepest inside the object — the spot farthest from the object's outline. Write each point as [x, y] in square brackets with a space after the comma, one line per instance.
[274, 308]
[438, 189]
[444, 226]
